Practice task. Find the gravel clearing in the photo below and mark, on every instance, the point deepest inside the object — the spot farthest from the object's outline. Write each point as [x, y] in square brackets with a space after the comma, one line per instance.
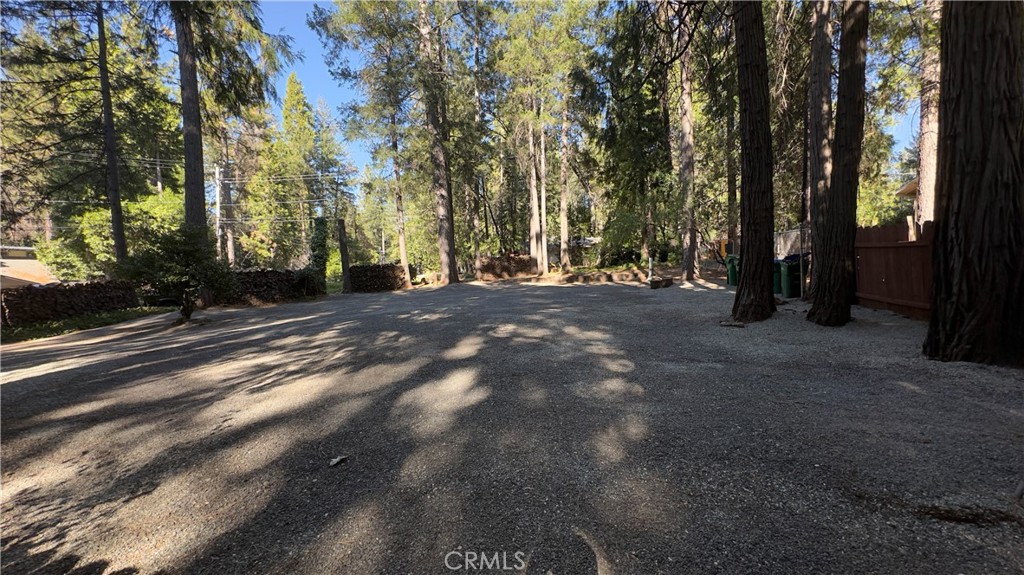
[606, 429]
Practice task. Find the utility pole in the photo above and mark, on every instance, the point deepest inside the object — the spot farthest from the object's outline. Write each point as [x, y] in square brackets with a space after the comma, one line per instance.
[159, 177]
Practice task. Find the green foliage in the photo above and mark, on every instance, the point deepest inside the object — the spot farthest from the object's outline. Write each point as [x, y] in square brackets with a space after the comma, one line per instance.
[179, 263]
[65, 260]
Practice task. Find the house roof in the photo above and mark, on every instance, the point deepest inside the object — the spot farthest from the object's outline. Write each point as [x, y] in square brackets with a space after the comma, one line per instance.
[909, 189]
[16, 273]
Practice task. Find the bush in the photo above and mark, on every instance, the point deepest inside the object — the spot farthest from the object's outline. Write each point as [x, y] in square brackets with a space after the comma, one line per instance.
[181, 264]
[380, 277]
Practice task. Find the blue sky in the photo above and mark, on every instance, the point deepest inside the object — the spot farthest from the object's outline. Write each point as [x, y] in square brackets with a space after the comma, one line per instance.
[290, 18]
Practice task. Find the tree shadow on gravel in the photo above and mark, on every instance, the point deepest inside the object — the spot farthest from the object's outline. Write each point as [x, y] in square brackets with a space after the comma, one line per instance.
[560, 422]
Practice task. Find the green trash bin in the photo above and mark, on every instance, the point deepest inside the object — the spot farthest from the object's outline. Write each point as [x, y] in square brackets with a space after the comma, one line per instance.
[732, 267]
[777, 276]
[791, 279]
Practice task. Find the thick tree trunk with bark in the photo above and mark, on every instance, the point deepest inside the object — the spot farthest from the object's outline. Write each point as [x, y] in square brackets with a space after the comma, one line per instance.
[819, 122]
[195, 192]
[434, 105]
[228, 206]
[563, 196]
[978, 264]
[928, 138]
[754, 298]
[834, 264]
[110, 143]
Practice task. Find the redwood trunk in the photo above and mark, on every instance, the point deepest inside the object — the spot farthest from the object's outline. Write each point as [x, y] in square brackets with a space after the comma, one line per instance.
[819, 122]
[978, 260]
[754, 298]
[543, 193]
[686, 163]
[834, 264]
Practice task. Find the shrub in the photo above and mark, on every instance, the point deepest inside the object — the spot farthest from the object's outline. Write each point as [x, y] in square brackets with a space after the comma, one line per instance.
[180, 263]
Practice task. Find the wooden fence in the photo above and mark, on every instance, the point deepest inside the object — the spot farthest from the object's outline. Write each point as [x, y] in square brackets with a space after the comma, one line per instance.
[893, 272]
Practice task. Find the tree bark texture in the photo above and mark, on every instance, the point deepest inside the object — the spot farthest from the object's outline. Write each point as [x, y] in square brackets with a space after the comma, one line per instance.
[754, 298]
[834, 262]
[977, 312]
[819, 120]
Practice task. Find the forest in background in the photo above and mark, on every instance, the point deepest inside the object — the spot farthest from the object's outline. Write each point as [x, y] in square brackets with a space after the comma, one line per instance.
[573, 110]
[645, 129]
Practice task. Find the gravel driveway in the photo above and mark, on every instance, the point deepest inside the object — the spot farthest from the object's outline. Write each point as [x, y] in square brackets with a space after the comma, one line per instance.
[605, 429]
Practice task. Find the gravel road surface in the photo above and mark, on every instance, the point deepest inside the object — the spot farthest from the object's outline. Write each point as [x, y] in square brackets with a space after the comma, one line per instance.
[600, 429]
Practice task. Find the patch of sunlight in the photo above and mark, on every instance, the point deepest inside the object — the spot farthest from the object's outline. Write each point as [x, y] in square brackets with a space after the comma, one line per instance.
[363, 527]
[910, 387]
[613, 389]
[431, 409]
[612, 444]
[700, 285]
[641, 503]
[163, 527]
[534, 395]
[430, 459]
[467, 347]
[619, 365]
[593, 335]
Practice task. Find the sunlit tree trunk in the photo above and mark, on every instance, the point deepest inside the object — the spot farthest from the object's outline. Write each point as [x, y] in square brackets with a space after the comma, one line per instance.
[535, 255]
[819, 123]
[563, 197]
[686, 163]
[543, 192]
[834, 265]
[928, 138]
[754, 298]
[434, 105]
[978, 264]
[403, 252]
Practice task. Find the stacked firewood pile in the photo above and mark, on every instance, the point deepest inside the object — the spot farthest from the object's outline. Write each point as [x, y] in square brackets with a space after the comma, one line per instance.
[507, 266]
[371, 278]
[30, 304]
[257, 287]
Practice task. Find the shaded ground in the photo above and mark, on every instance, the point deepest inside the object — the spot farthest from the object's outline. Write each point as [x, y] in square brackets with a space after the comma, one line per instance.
[597, 429]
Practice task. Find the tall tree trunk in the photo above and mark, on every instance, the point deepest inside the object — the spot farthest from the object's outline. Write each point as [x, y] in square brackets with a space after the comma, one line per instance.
[434, 106]
[686, 163]
[754, 298]
[563, 194]
[978, 261]
[732, 221]
[403, 253]
[834, 265]
[928, 138]
[195, 193]
[110, 143]
[545, 264]
[535, 255]
[819, 125]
